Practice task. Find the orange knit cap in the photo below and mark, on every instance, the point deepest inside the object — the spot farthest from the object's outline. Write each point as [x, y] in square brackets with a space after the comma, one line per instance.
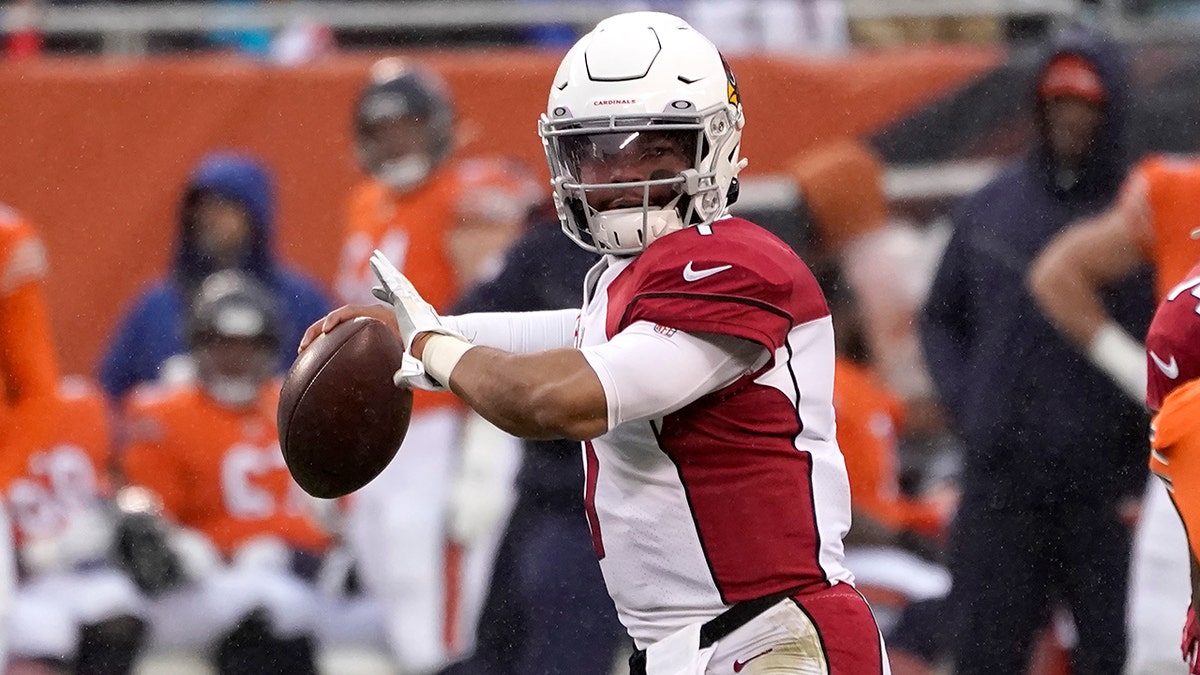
[842, 185]
[1071, 75]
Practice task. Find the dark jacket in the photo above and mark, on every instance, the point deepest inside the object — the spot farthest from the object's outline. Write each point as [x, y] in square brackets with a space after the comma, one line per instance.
[151, 331]
[544, 270]
[1032, 411]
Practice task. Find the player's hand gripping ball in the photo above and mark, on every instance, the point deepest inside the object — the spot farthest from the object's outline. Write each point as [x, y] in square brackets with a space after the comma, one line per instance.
[340, 418]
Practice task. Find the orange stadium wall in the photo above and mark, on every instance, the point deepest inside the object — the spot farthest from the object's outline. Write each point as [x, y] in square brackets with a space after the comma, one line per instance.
[95, 151]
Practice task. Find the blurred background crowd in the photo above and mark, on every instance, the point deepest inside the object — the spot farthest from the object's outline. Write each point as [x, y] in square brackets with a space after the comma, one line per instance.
[188, 185]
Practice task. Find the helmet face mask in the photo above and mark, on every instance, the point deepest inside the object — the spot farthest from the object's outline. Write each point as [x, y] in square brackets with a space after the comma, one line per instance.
[642, 133]
[233, 370]
[398, 151]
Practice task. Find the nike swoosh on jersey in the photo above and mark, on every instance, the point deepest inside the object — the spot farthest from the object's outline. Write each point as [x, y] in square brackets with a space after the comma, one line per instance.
[1171, 369]
[690, 274]
[738, 665]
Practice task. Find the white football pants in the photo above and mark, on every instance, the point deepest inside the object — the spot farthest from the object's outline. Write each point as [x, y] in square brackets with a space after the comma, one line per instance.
[396, 526]
[1158, 587]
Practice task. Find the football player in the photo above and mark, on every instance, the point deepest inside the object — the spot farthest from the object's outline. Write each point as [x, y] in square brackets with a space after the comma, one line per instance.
[245, 539]
[715, 492]
[31, 389]
[404, 138]
[73, 610]
[409, 207]
[1151, 222]
[1173, 369]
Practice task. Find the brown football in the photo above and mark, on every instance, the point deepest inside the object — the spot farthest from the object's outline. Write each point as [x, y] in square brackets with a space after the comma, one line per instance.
[340, 418]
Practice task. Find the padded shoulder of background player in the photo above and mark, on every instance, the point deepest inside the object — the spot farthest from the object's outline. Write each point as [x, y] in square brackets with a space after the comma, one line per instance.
[151, 329]
[28, 362]
[841, 186]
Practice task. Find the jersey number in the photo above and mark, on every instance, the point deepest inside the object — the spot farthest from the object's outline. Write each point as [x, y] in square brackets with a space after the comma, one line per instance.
[62, 479]
[246, 476]
[1193, 284]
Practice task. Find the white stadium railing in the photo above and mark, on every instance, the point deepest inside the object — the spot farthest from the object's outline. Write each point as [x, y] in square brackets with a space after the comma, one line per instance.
[126, 29]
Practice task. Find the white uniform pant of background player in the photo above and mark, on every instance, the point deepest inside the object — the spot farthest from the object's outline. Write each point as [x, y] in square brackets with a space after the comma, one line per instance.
[194, 618]
[8, 582]
[397, 528]
[1159, 591]
[49, 610]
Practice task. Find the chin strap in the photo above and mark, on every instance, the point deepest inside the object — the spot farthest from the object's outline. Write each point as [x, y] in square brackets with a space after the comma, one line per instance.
[618, 229]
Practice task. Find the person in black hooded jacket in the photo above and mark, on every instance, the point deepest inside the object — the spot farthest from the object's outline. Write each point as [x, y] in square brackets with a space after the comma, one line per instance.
[1053, 449]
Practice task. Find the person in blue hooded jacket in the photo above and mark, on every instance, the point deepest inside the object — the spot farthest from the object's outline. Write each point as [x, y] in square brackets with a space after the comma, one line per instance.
[226, 218]
[1053, 450]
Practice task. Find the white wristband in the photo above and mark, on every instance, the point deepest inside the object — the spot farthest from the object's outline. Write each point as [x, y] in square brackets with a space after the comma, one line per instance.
[1122, 358]
[441, 354]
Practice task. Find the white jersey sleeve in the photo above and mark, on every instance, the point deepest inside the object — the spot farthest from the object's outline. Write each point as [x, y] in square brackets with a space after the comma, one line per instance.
[520, 332]
[649, 370]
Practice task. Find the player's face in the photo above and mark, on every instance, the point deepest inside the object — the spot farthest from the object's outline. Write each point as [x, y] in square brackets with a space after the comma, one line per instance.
[232, 370]
[1071, 125]
[393, 139]
[628, 157]
[223, 228]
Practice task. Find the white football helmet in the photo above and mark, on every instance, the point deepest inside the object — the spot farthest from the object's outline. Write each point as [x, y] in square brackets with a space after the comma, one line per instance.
[643, 73]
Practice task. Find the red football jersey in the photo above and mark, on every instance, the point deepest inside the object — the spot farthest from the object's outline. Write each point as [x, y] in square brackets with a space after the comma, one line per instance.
[753, 467]
[1173, 342]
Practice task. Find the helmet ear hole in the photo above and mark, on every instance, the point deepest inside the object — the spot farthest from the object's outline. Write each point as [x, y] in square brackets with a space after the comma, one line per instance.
[731, 195]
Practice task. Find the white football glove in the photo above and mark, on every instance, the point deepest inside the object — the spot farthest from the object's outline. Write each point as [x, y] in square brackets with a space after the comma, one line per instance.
[412, 375]
[413, 315]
